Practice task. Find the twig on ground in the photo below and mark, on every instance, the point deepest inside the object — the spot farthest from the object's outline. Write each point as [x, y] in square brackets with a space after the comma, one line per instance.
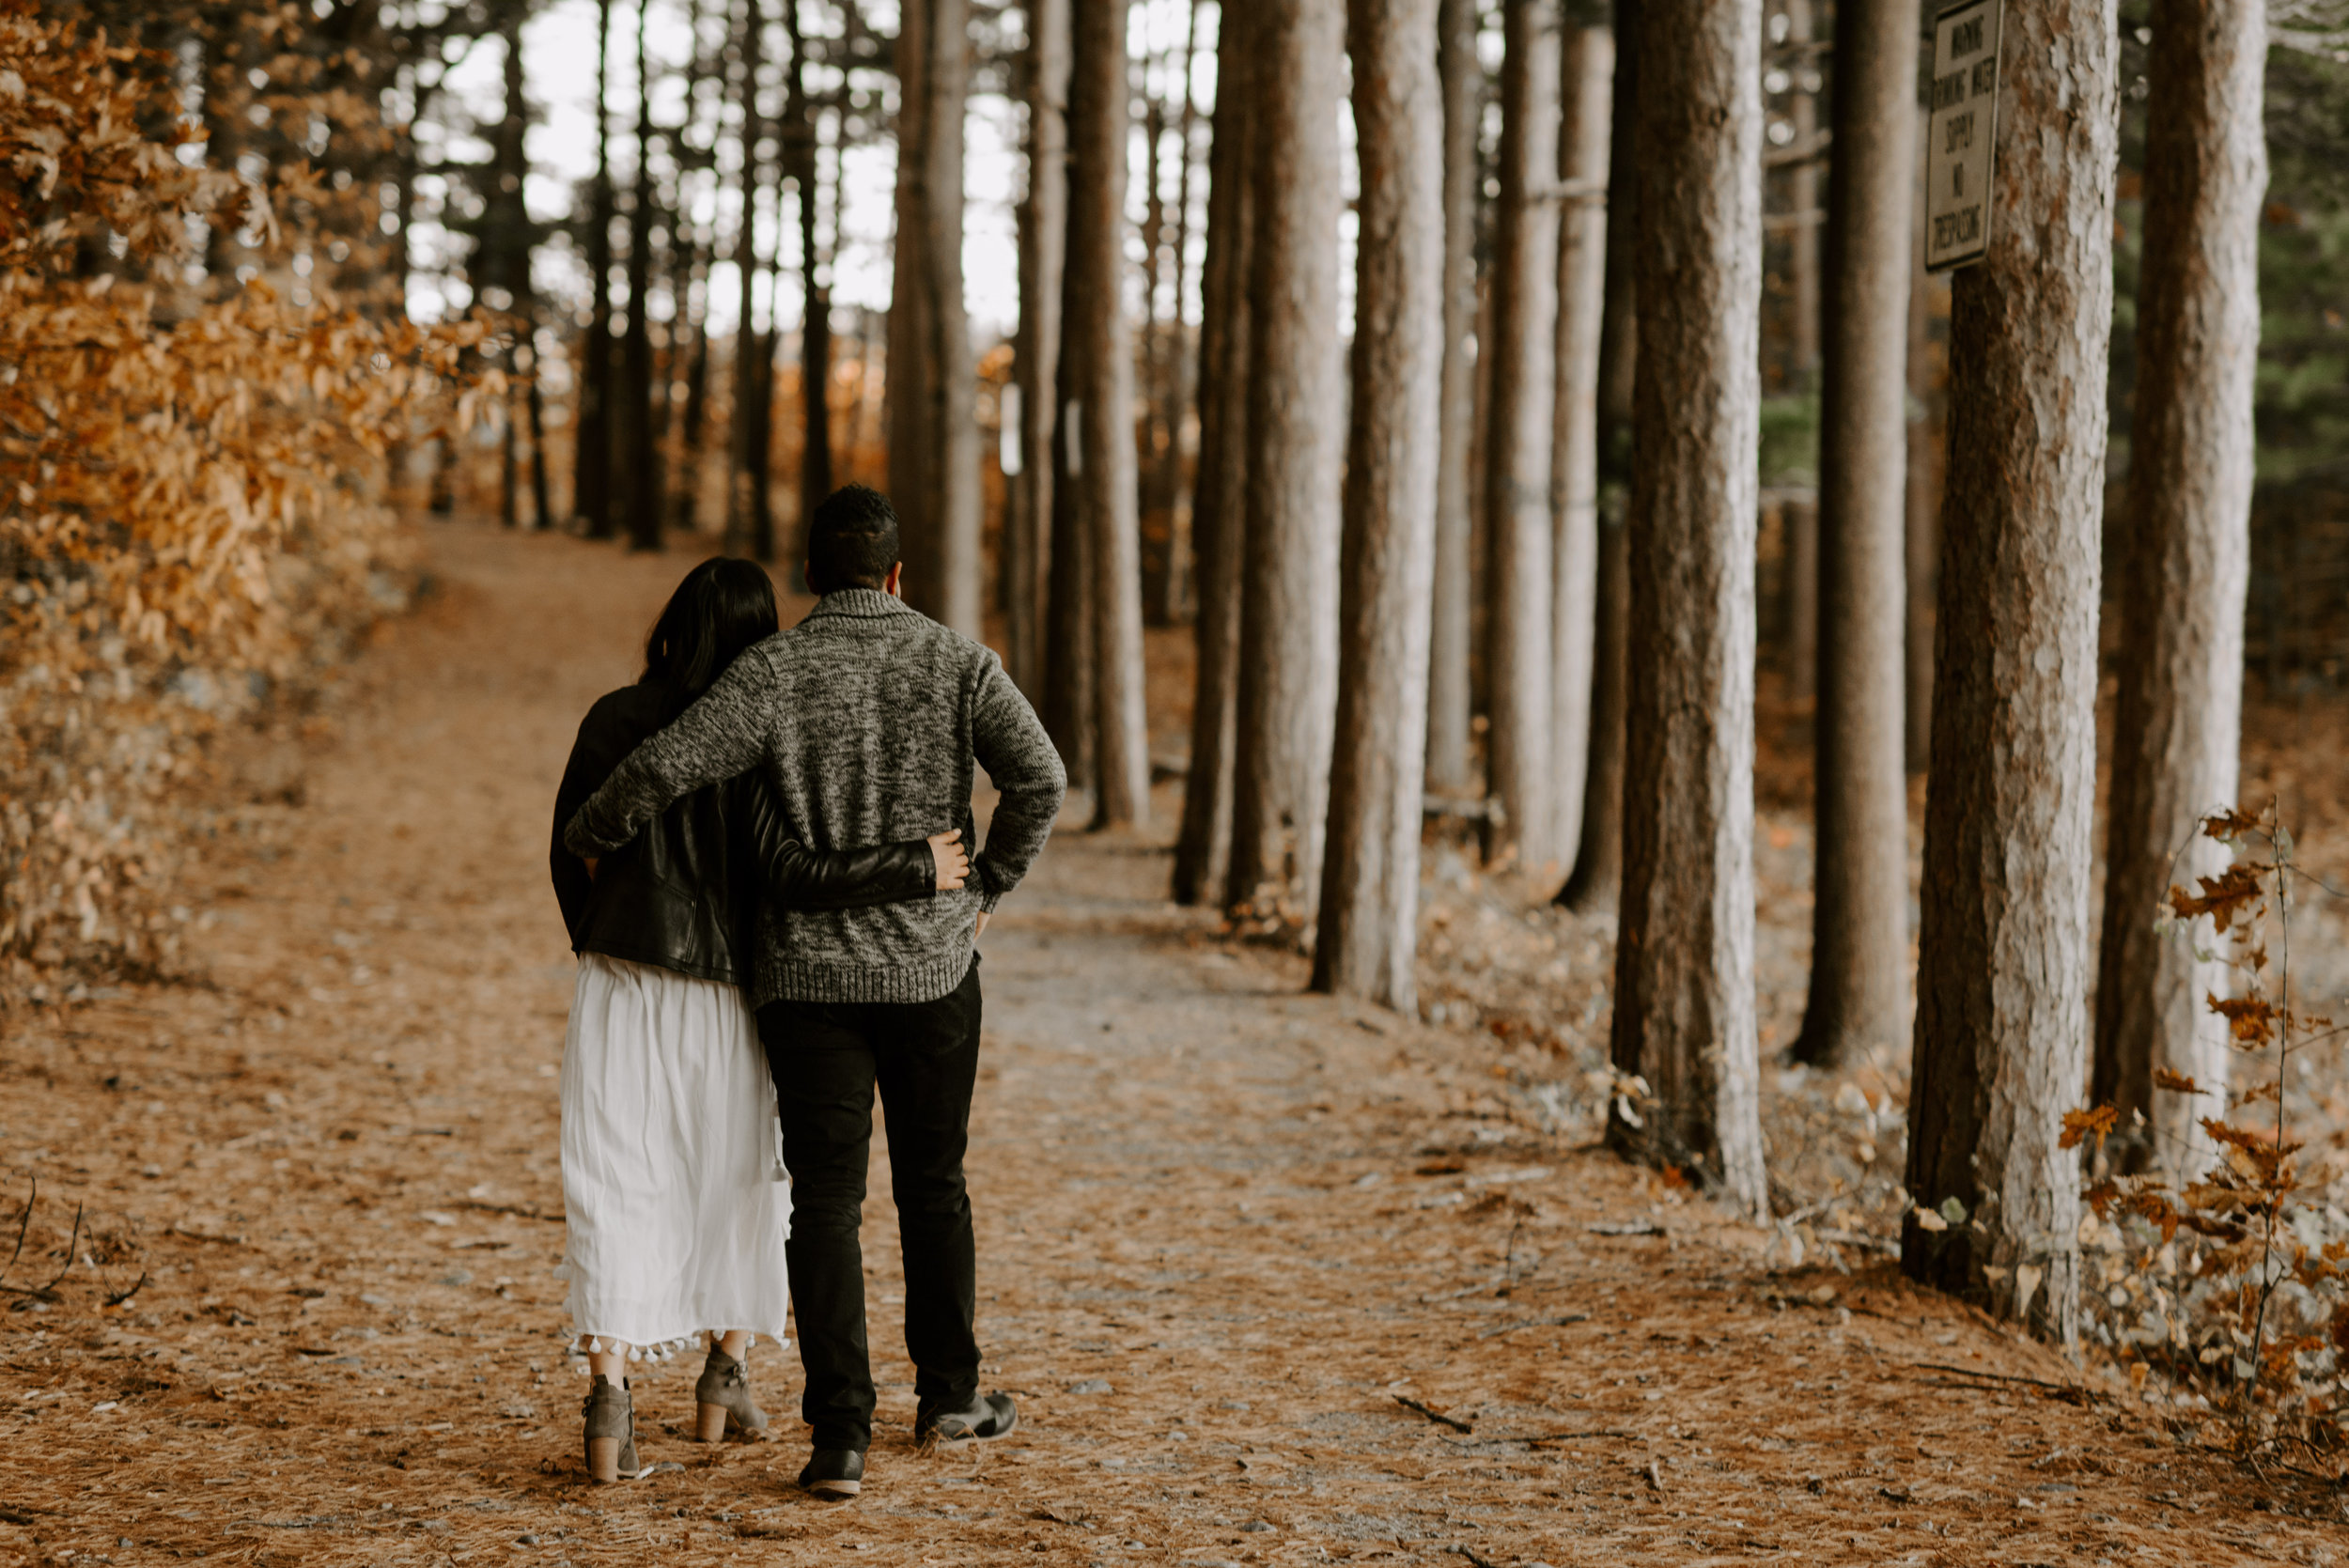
[181, 1230]
[1539, 1438]
[513, 1209]
[124, 1297]
[1536, 1323]
[1476, 1556]
[2072, 1388]
[24, 1224]
[1433, 1414]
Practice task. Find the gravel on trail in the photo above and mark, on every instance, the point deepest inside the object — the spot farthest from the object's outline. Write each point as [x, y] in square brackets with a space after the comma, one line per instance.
[1277, 1278]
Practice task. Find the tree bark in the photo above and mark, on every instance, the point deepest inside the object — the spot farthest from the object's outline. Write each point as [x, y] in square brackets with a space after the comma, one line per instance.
[747, 525]
[1451, 638]
[1859, 913]
[1802, 196]
[1203, 849]
[1100, 351]
[1684, 961]
[2186, 566]
[1587, 77]
[1368, 937]
[1524, 345]
[1921, 552]
[800, 162]
[2003, 951]
[1288, 615]
[1036, 351]
[591, 468]
[639, 447]
[1598, 857]
[933, 432]
[1068, 707]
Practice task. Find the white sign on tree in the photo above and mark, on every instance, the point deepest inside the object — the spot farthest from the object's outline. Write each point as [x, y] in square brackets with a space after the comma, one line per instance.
[1961, 133]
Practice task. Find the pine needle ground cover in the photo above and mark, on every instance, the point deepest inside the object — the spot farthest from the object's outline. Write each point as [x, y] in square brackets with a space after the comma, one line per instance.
[1279, 1279]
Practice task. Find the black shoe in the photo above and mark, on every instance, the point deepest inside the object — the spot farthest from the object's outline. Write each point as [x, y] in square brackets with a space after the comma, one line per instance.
[834, 1473]
[987, 1416]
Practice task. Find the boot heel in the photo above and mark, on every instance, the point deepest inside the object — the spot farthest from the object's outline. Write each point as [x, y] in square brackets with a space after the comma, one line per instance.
[712, 1426]
[603, 1459]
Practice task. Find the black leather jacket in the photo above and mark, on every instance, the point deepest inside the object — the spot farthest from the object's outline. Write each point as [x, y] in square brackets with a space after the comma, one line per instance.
[684, 894]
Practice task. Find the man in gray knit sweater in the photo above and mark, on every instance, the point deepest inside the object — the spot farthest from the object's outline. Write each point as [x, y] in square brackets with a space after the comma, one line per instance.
[868, 719]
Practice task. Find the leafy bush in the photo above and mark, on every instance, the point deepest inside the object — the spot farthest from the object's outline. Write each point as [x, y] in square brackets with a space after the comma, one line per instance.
[190, 488]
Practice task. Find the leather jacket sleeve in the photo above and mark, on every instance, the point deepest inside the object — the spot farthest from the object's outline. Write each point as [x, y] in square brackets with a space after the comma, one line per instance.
[798, 878]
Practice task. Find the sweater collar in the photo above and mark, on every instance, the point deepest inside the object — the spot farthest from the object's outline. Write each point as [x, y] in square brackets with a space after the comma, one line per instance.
[861, 603]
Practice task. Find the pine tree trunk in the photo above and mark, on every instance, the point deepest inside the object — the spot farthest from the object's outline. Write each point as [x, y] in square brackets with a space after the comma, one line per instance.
[1368, 938]
[591, 463]
[815, 314]
[1598, 855]
[2184, 566]
[1203, 849]
[933, 432]
[1588, 83]
[1524, 390]
[1684, 961]
[639, 446]
[1100, 350]
[1069, 705]
[1450, 638]
[1920, 511]
[1036, 351]
[742, 447]
[1288, 616]
[1860, 915]
[2004, 948]
[1803, 544]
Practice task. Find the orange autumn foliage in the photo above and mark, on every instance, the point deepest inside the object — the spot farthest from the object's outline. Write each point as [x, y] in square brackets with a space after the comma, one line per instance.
[190, 488]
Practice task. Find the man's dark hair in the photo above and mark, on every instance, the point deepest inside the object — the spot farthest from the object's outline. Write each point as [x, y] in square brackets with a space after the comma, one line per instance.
[852, 540]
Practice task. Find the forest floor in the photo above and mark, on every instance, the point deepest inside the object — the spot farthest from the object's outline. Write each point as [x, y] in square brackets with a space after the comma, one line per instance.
[1278, 1278]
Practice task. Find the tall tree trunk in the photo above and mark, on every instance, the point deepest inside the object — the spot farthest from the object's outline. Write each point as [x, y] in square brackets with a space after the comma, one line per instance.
[746, 490]
[1369, 930]
[1175, 361]
[1154, 419]
[1920, 510]
[1100, 348]
[1288, 616]
[640, 447]
[1517, 443]
[591, 461]
[1860, 916]
[1588, 81]
[1203, 849]
[798, 132]
[1598, 856]
[1451, 637]
[1684, 962]
[1036, 352]
[933, 433]
[1802, 193]
[2003, 951]
[1069, 708]
[2184, 565]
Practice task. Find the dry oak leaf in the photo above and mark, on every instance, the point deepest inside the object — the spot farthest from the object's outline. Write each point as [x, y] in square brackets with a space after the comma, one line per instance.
[2232, 824]
[2249, 1019]
[2223, 897]
[2177, 1084]
[2080, 1124]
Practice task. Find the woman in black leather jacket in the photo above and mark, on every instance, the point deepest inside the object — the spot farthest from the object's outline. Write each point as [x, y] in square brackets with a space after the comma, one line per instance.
[673, 1202]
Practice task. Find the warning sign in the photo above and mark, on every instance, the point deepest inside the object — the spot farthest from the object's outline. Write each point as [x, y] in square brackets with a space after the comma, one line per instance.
[1961, 133]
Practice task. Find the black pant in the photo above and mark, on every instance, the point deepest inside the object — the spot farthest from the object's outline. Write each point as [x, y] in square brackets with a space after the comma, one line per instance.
[827, 1058]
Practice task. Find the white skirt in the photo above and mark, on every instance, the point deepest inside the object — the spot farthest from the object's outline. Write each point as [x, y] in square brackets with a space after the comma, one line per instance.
[674, 1198]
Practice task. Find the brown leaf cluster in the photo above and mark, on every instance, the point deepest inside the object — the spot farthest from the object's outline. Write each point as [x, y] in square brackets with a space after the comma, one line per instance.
[190, 488]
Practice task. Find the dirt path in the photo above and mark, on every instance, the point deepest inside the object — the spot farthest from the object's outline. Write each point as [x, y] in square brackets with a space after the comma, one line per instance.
[1279, 1279]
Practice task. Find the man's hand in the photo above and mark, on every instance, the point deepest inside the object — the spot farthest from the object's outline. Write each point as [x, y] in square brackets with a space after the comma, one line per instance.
[953, 860]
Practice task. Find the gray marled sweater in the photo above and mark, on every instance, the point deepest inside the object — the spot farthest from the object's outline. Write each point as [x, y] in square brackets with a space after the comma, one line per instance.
[867, 717]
